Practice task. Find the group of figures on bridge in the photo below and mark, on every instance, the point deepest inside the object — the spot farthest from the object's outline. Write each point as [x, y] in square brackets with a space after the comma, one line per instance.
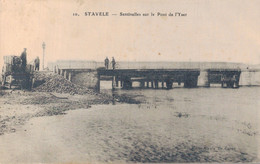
[113, 62]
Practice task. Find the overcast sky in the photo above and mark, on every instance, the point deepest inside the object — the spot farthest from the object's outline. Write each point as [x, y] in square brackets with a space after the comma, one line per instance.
[213, 30]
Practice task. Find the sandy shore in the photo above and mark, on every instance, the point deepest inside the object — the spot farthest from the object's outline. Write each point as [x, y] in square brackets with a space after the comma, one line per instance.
[18, 106]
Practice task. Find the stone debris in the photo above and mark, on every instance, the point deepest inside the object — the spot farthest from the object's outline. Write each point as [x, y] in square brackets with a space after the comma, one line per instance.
[50, 82]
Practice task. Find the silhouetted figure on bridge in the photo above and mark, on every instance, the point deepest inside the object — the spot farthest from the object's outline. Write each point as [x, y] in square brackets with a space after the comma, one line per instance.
[113, 63]
[106, 63]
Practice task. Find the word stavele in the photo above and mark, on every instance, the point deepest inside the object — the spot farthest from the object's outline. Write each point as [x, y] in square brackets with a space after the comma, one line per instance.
[96, 13]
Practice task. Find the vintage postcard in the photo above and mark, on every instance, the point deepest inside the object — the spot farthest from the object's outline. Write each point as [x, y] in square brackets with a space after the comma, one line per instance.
[129, 81]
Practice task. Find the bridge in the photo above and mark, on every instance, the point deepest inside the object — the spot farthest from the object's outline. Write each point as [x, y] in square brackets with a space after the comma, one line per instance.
[156, 78]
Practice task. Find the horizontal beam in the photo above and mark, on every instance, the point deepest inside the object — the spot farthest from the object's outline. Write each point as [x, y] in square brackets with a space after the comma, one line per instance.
[148, 72]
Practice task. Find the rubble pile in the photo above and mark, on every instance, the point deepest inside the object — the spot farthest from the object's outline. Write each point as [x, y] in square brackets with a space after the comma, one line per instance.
[50, 82]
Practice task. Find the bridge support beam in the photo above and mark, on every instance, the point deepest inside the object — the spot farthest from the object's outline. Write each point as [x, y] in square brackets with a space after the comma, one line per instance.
[147, 84]
[156, 84]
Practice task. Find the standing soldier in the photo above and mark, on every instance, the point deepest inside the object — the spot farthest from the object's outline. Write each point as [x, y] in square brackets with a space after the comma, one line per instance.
[24, 59]
[37, 64]
[113, 63]
[106, 62]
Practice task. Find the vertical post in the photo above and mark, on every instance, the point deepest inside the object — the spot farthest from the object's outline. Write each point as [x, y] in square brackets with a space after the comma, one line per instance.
[57, 69]
[69, 76]
[162, 84]
[147, 84]
[113, 82]
[152, 84]
[65, 74]
[207, 81]
[117, 81]
[54, 69]
[98, 83]
[43, 54]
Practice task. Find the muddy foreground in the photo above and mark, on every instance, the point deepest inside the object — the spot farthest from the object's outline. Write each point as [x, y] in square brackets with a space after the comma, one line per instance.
[44, 127]
[17, 107]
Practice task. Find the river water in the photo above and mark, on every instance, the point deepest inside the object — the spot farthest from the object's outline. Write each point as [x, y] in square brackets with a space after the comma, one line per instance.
[177, 125]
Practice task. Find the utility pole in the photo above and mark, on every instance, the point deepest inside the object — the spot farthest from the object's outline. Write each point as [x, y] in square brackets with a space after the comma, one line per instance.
[43, 53]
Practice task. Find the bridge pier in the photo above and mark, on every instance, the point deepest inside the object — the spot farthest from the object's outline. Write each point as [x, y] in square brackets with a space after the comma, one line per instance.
[169, 84]
[156, 84]
[117, 81]
[204, 78]
[127, 83]
[142, 84]
[191, 81]
[113, 82]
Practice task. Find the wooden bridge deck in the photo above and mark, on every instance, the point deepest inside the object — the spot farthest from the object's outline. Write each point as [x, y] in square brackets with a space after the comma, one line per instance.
[146, 72]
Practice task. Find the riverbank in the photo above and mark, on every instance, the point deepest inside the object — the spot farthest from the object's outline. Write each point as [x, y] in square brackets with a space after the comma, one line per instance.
[52, 95]
[17, 107]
